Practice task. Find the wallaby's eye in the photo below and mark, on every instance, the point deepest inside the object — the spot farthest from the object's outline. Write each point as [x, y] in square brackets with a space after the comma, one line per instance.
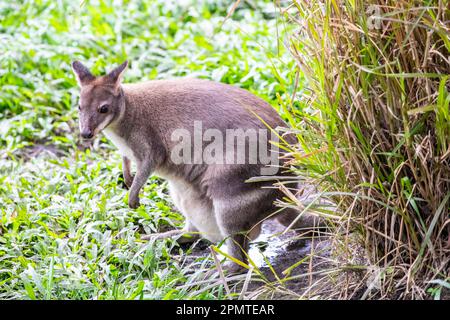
[79, 107]
[103, 109]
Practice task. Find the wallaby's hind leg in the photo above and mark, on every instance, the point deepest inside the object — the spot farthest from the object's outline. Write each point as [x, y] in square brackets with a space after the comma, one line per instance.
[239, 219]
[238, 245]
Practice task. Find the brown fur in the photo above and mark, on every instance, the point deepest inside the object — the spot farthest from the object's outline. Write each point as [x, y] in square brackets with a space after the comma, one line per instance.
[142, 117]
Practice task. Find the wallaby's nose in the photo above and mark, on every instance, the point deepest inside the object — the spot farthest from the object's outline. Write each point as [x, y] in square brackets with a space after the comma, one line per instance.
[87, 134]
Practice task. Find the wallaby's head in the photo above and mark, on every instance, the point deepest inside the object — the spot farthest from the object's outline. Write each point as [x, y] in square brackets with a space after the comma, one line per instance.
[101, 98]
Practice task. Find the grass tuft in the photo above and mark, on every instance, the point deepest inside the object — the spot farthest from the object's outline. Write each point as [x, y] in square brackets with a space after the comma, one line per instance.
[374, 130]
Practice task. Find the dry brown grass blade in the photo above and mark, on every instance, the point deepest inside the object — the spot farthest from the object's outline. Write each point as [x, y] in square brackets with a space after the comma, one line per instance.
[220, 270]
[230, 13]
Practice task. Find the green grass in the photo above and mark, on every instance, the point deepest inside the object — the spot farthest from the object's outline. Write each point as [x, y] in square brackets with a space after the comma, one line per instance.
[65, 229]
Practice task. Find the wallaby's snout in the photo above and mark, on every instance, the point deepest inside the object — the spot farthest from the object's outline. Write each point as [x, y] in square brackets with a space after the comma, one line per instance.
[87, 135]
[101, 99]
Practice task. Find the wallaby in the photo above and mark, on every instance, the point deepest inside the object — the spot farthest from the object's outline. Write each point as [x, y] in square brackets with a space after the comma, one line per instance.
[214, 197]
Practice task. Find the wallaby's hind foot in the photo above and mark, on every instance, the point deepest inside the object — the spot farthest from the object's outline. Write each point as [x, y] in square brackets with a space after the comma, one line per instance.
[181, 235]
[188, 234]
[162, 235]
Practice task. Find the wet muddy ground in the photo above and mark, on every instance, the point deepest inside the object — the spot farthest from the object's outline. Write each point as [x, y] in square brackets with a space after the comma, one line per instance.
[292, 265]
[284, 252]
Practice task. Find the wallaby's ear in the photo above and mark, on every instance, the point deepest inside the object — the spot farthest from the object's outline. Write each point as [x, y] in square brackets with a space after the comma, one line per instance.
[115, 76]
[83, 75]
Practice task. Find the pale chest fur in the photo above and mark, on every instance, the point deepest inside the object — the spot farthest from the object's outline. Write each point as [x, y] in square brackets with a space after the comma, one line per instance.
[120, 143]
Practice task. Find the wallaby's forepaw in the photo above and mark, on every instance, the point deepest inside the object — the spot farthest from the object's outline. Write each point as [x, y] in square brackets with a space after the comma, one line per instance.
[125, 182]
[133, 203]
[128, 182]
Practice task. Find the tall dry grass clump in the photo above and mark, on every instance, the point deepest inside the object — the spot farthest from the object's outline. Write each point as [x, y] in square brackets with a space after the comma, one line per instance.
[375, 131]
